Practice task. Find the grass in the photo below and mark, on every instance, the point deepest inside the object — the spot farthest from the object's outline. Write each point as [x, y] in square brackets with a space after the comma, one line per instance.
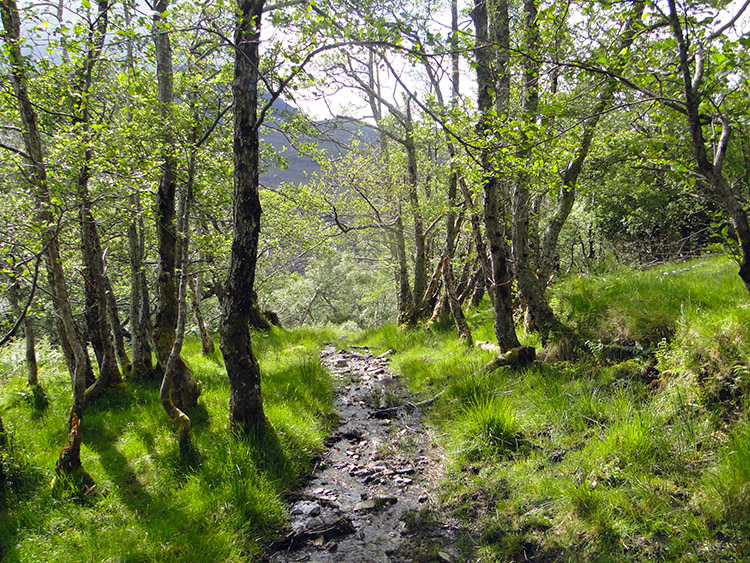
[638, 452]
[631, 306]
[487, 428]
[151, 506]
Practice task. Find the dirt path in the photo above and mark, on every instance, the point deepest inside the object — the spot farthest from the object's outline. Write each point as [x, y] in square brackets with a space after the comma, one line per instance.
[381, 464]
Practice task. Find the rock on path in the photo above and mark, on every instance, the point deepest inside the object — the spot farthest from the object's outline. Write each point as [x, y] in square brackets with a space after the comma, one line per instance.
[381, 463]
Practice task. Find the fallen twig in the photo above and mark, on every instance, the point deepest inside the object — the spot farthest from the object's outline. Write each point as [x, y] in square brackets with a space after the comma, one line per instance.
[382, 413]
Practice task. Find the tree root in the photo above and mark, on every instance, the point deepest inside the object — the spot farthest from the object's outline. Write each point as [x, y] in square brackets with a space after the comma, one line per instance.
[515, 358]
[71, 478]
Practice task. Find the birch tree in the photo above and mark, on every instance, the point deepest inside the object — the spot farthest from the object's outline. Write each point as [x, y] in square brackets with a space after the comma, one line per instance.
[184, 391]
[69, 464]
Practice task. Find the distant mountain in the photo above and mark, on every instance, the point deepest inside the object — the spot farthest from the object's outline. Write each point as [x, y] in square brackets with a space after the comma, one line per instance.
[336, 137]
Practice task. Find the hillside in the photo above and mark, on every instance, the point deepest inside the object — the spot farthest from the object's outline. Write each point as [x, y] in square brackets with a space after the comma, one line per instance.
[515, 328]
[639, 450]
[332, 138]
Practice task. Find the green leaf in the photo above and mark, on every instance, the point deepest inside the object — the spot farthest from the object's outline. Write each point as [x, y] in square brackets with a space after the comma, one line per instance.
[718, 58]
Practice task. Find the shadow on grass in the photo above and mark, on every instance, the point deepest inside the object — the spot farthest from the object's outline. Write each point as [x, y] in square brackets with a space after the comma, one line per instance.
[19, 482]
[200, 418]
[117, 398]
[34, 397]
[169, 526]
[102, 440]
[182, 460]
[267, 453]
[39, 401]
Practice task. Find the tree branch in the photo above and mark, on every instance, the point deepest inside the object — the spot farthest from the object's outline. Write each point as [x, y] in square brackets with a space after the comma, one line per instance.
[718, 33]
[19, 152]
[213, 126]
[721, 149]
[25, 310]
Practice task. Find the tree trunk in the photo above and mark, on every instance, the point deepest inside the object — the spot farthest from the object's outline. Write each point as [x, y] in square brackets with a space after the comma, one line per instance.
[500, 285]
[165, 392]
[96, 294]
[116, 327]
[139, 303]
[548, 251]
[245, 401]
[196, 289]
[185, 391]
[471, 286]
[711, 172]
[464, 333]
[529, 286]
[466, 274]
[3, 448]
[448, 300]
[70, 474]
[479, 290]
[50, 244]
[502, 297]
[257, 319]
[441, 308]
[405, 303]
[140, 315]
[440, 305]
[32, 372]
[420, 253]
[95, 288]
[453, 224]
[481, 248]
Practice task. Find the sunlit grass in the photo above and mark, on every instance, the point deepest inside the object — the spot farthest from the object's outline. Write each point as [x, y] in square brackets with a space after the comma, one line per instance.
[631, 306]
[488, 428]
[726, 491]
[151, 505]
[600, 459]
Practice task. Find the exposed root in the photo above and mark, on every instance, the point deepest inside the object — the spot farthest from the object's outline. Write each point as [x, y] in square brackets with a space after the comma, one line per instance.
[71, 478]
[515, 358]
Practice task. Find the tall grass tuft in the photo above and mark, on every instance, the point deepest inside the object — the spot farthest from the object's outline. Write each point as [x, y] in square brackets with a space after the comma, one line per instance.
[488, 428]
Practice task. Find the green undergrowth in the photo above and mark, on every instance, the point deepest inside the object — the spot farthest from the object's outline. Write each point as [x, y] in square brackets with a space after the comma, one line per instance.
[637, 451]
[646, 307]
[151, 504]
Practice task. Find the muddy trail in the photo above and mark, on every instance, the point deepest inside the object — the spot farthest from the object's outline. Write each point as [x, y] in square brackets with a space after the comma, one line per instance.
[378, 474]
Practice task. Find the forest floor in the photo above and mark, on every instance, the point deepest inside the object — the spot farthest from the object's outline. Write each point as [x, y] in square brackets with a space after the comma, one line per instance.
[368, 496]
